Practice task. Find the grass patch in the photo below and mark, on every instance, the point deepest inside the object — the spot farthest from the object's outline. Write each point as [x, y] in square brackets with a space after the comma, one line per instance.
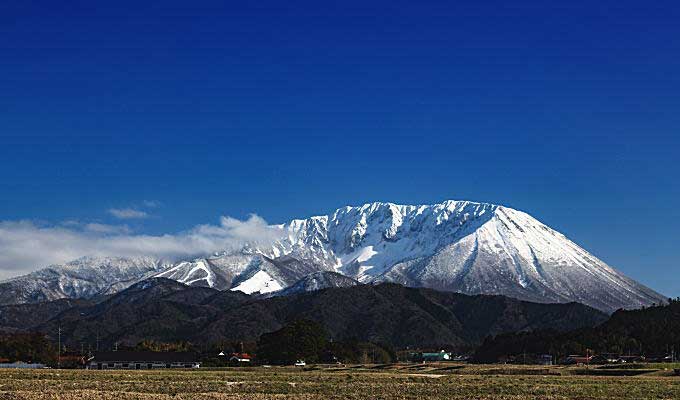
[625, 366]
[614, 372]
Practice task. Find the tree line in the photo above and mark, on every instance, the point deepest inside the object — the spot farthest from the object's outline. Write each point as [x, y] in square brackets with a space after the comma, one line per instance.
[308, 340]
[299, 340]
[650, 331]
[27, 347]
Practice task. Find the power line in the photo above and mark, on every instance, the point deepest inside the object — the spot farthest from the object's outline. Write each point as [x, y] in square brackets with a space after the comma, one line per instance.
[59, 349]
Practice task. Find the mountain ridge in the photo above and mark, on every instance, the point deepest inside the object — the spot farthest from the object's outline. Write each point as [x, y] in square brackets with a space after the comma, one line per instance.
[461, 246]
[165, 310]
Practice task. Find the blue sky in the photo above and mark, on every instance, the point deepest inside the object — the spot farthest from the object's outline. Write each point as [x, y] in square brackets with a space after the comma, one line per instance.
[569, 112]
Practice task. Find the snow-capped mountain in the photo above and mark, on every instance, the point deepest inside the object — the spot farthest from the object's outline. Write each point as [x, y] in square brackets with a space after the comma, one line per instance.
[248, 271]
[473, 248]
[83, 278]
[468, 247]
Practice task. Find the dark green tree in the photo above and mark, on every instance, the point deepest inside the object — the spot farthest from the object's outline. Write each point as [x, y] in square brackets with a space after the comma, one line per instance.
[299, 340]
[27, 347]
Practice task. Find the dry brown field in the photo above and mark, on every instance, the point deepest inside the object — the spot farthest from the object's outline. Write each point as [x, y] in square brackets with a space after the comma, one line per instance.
[432, 381]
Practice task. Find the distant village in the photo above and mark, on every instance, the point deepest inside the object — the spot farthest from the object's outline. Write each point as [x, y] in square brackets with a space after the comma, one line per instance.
[130, 359]
[304, 342]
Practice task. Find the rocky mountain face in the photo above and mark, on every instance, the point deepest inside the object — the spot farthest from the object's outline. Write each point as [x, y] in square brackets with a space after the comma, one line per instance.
[85, 278]
[465, 247]
[165, 310]
[459, 246]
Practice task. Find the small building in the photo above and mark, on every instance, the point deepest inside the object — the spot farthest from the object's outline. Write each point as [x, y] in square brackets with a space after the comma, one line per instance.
[607, 358]
[659, 358]
[439, 356]
[239, 358]
[632, 359]
[21, 365]
[577, 360]
[143, 360]
[545, 359]
[460, 358]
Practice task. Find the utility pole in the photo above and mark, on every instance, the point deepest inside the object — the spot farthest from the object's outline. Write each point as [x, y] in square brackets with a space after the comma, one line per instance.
[59, 350]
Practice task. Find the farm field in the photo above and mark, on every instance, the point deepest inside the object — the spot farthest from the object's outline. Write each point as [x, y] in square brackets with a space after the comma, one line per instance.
[443, 381]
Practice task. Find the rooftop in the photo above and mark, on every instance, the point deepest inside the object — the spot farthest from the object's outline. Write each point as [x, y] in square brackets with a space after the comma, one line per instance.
[152, 356]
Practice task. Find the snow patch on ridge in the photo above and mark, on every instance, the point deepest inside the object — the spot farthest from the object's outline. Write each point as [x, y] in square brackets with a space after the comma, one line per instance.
[260, 282]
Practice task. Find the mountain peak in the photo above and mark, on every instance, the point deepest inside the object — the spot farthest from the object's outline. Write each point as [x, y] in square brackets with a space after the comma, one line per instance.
[462, 246]
[446, 205]
[471, 247]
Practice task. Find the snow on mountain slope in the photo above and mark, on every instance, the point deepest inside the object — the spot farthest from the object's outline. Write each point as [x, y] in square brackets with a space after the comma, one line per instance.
[455, 245]
[260, 282]
[196, 273]
[461, 246]
[317, 281]
[247, 271]
[83, 278]
[363, 242]
[515, 255]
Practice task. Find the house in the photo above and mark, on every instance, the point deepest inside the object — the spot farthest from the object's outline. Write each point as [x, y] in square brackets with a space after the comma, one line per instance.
[661, 358]
[240, 358]
[607, 358]
[21, 365]
[439, 356]
[143, 360]
[577, 359]
[632, 359]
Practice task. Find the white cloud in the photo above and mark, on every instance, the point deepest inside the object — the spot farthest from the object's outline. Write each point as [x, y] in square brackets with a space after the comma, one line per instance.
[127, 213]
[26, 246]
[104, 228]
[151, 203]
